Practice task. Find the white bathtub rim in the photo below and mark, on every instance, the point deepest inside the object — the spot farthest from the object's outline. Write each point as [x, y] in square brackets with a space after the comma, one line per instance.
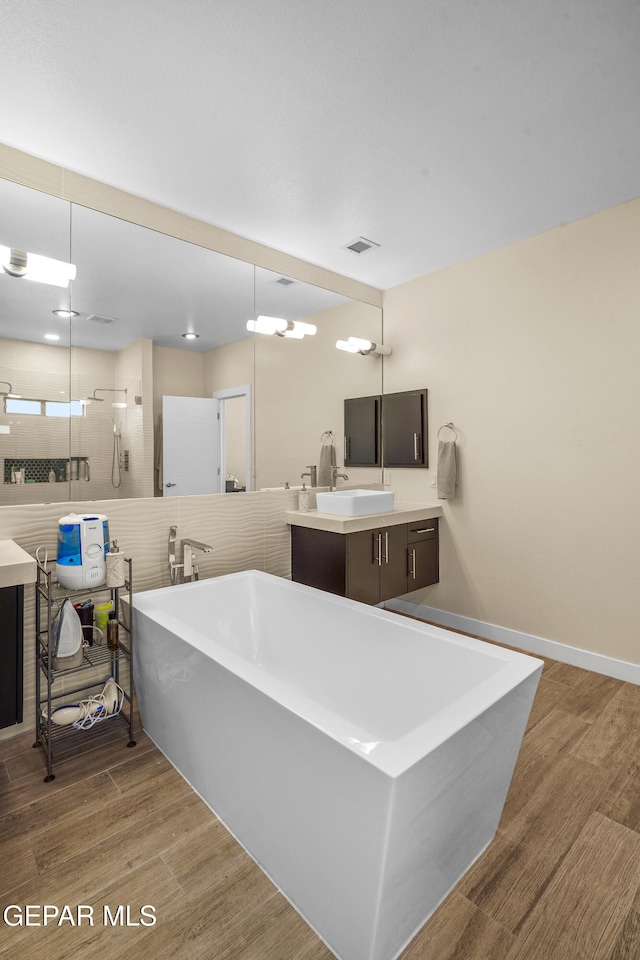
[391, 757]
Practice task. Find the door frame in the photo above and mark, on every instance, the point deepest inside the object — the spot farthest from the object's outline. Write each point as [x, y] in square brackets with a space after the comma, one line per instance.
[230, 394]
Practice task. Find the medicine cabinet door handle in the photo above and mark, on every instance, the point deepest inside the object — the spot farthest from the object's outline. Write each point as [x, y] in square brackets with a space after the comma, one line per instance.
[169, 484]
[416, 447]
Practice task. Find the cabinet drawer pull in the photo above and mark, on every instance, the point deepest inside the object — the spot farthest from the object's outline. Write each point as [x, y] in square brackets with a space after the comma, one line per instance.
[377, 557]
[424, 530]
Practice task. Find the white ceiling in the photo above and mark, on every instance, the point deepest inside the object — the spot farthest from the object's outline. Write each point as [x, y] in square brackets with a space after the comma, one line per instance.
[438, 129]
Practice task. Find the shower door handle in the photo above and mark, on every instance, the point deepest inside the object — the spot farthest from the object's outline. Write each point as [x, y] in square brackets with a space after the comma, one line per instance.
[169, 484]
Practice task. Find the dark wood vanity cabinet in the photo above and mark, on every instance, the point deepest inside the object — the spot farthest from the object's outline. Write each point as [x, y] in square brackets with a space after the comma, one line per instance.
[370, 565]
[11, 646]
[362, 432]
[404, 429]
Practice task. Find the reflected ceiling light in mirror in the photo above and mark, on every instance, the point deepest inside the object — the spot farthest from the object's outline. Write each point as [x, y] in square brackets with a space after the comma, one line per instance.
[65, 314]
[365, 348]
[295, 329]
[17, 263]
[51, 336]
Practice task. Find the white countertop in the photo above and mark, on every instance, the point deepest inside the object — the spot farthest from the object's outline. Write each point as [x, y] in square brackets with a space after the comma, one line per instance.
[16, 565]
[336, 523]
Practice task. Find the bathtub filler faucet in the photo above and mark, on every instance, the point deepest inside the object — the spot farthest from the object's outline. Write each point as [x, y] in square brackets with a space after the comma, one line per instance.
[189, 569]
[313, 475]
[335, 476]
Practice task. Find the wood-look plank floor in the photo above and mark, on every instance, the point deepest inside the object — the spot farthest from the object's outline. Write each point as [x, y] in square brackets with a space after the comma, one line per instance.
[561, 880]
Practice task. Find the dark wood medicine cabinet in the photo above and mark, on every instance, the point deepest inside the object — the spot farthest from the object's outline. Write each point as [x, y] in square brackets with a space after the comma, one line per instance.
[389, 430]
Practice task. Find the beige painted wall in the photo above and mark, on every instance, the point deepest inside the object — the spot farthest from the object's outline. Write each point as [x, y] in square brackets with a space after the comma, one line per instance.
[532, 351]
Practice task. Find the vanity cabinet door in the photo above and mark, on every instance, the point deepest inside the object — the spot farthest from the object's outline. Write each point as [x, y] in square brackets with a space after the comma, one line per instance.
[376, 564]
[362, 432]
[363, 569]
[318, 559]
[422, 554]
[404, 429]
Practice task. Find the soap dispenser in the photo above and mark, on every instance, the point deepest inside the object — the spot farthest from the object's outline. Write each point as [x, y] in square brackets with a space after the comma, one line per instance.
[303, 500]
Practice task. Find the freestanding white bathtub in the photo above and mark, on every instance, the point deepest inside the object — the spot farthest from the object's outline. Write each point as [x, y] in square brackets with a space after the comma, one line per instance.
[361, 758]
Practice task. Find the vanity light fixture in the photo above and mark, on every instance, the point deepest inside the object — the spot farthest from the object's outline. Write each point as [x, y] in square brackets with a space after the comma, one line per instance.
[17, 263]
[365, 348]
[295, 329]
[191, 336]
[65, 314]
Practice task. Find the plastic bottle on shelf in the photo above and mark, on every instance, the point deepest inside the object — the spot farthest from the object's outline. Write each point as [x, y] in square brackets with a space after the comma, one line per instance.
[112, 631]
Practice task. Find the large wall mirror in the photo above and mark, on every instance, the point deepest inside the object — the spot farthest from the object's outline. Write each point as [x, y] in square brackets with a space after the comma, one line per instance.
[81, 415]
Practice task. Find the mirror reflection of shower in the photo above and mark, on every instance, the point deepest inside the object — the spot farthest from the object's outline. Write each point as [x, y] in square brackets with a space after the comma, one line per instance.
[116, 463]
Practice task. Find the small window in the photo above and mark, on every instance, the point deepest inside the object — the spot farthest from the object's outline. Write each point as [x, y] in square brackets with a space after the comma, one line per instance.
[23, 406]
[53, 408]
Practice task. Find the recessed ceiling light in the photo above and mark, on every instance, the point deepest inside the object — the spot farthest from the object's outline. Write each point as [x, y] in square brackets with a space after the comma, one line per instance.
[51, 336]
[191, 336]
[65, 314]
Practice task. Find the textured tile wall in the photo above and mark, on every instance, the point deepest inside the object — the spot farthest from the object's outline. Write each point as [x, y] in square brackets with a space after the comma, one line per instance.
[247, 531]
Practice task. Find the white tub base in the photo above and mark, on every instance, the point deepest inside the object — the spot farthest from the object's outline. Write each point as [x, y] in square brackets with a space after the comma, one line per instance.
[364, 835]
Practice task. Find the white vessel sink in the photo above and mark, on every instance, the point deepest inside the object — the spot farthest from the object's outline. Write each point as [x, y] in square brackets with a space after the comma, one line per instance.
[355, 503]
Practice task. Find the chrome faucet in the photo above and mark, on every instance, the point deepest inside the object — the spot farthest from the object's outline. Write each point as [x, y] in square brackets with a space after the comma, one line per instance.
[313, 475]
[189, 569]
[335, 476]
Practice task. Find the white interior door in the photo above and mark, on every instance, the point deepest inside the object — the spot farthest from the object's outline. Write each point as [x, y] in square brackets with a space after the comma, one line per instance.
[190, 446]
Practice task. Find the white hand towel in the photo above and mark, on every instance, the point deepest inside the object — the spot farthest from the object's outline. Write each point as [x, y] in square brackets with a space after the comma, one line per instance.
[446, 472]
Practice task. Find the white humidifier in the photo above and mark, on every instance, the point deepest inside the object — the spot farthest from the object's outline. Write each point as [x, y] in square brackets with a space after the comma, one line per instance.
[83, 542]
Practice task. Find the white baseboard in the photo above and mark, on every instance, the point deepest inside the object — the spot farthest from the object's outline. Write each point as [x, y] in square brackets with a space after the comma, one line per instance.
[528, 643]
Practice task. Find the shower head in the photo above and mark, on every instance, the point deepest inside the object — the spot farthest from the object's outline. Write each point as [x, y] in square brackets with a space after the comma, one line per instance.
[9, 393]
[93, 396]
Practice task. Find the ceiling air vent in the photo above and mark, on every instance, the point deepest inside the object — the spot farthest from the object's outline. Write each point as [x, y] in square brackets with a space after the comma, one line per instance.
[96, 318]
[284, 281]
[361, 245]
